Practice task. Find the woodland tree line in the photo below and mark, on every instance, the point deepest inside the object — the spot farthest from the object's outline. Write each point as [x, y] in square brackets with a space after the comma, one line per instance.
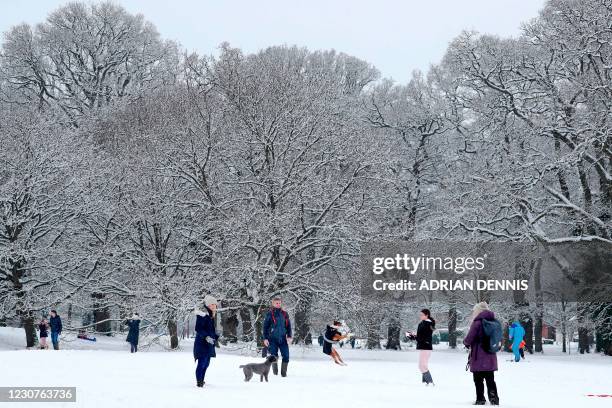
[137, 176]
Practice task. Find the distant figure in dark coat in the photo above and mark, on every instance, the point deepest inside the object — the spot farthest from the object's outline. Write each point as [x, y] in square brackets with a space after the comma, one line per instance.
[482, 364]
[277, 335]
[55, 322]
[133, 332]
[423, 337]
[206, 336]
[43, 328]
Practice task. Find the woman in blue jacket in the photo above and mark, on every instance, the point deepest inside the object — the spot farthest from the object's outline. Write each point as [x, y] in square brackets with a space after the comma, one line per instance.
[204, 344]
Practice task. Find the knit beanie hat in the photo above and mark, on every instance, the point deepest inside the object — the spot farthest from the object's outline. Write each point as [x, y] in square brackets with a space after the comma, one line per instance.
[210, 300]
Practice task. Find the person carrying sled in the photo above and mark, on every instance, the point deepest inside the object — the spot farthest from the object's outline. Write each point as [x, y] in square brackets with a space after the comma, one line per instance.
[332, 336]
[43, 328]
[482, 359]
[277, 335]
[134, 332]
[206, 336]
[55, 322]
[424, 336]
[516, 334]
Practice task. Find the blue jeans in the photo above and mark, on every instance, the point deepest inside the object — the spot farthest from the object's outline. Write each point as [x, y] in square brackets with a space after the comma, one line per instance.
[55, 339]
[275, 346]
[203, 363]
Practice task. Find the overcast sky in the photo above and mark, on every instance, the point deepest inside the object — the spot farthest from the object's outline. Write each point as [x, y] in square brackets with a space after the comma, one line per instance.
[397, 36]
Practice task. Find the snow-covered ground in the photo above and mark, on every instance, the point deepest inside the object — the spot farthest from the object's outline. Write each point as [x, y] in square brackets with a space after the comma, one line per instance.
[107, 375]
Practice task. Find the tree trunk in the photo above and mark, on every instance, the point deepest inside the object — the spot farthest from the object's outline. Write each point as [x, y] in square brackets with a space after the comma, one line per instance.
[229, 324]
[507, 343]
[393, 331]
[27, 320]
[373, 334]
[247, 324]
[563, 326]
[173, 333]
[539, 323]
[301, 332]
[583, 340]
[538, 326]
[259, 313]
[583, 332]
[452, 326]
[101, 314]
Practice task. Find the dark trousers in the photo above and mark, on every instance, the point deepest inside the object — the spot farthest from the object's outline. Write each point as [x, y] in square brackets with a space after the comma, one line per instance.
[489, 378]
[133, 347]
[275, 346]
[203, 363]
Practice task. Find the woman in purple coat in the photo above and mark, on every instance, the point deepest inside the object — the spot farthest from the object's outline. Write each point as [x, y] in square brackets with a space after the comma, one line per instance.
[482, 364]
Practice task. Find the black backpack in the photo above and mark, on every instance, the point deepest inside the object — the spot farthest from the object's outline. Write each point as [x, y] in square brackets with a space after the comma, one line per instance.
[492, 336]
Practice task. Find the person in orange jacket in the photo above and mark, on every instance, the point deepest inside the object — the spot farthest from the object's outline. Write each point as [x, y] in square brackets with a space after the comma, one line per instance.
[522, 349]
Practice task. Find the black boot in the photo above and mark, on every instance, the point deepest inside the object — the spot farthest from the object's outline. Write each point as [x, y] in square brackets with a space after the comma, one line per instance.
[423, 378]
[427, 378]
[284, 365]
[200, 383]
[493, 398]
[275, 368]
[479, 402]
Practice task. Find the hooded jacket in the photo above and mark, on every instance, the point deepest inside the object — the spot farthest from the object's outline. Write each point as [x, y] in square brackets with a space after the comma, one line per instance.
[204, 327]
[479, 359]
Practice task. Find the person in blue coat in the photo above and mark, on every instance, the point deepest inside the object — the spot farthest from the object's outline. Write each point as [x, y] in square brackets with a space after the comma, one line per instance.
[206, 336]
[277, 335]
[55, 323]
[516, 334]
[133, 332]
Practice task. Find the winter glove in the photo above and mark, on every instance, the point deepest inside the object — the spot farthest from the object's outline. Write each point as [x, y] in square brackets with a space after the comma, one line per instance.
[209, 340]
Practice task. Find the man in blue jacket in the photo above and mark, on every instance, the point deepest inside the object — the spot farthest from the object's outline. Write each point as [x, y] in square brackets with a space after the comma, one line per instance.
[206, 336]
[516, 334]
[277, 335]
[55, 322]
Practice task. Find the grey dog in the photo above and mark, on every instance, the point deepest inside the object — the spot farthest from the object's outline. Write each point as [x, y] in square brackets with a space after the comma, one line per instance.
[258, 368]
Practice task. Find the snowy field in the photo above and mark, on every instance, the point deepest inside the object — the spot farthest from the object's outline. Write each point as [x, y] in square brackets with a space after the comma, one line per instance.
[107, 375]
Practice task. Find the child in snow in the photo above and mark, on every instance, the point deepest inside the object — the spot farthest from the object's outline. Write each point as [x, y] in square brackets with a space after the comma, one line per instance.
[522, 349]
[332, 336]
[43, 328]
[516, 334]
[424, 335]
